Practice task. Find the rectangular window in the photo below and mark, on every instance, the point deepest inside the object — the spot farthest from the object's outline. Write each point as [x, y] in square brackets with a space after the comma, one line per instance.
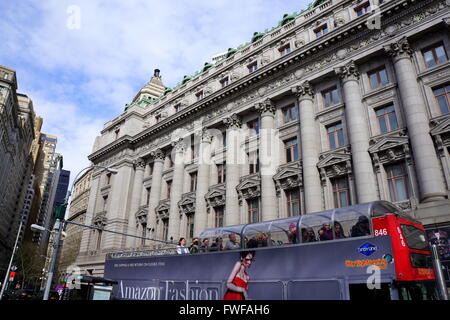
[290, 113]
[378, 77]
[398, 182]
[253, 127]
[435, 55]
[193, 149]
[285, 50]
[330, 96]
[252, 67]
[158, 118]
[253, 160]
[253, 211]
[362, 9]
[108, 178]
[105, 202]
[148, 195]
[321, 31]
[177, 107]
[291, 147]
[199, 95]
[221, 172]
[387, 119]
[341, 192]
[293, 202]
[193, 176]
[336, 136]
[190, 226]
[169, 187]
[442, 95]
[165, 232]
[219, 216]
[144, 233]
[224, 82]
[150, 168]
[224, 139]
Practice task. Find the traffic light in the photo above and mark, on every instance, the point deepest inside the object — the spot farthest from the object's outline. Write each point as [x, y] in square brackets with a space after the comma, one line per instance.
[61, 211]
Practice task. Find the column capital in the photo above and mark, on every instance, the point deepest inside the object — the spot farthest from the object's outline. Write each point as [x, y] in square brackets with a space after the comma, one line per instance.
[233, 122]
[158, 155]
[399, 49]
[304, 91]
[348, 72]
[140, 163]
[179, 145]
[266, 108]
[204, 135]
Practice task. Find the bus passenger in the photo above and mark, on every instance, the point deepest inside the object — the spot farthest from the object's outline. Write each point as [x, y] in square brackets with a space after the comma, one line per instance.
[308, 235]
[181, 247]
[252, 243]
[292, 234]
[361, 228]
[217, 245]
[237, 282]
[325, 232]
[232, 243]
[205, 246]
[194, 246]
[338, 231]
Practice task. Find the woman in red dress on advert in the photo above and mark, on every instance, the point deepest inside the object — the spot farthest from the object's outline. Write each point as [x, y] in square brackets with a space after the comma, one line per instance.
[237, 281]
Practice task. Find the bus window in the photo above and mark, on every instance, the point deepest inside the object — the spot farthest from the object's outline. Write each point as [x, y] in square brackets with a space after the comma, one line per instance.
[415, 238]
[231, 241]
[284, 231]
[346, 223]
[319, 224]
[257, 235]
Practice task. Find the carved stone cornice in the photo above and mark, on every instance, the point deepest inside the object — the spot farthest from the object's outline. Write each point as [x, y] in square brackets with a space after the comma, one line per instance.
[158, 155]
[304, 91]
[348, 72]
[233, 122]
[266, 108]
[400, 49]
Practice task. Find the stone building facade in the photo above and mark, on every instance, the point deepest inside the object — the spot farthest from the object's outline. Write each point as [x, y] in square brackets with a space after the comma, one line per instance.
[344, 103]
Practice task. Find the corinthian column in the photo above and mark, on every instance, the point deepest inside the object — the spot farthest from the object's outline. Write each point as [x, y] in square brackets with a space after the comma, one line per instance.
[431, 183]
[358, 134]
[233, 157]
[177, 189]
[310, 148]
[204, 161]
[268, 158]
[155, 188]
[135, 200]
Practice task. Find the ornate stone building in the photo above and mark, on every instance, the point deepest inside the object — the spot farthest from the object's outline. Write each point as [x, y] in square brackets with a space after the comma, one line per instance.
[343, 103]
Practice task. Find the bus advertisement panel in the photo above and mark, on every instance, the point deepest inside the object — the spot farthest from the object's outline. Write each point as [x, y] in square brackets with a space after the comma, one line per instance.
[321, 270]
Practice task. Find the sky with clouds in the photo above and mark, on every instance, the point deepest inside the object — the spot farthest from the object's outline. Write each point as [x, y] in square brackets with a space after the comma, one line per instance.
[82, 61]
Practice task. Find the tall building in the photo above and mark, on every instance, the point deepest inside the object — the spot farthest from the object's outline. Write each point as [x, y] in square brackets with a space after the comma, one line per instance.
[16, 164]
[345, 102]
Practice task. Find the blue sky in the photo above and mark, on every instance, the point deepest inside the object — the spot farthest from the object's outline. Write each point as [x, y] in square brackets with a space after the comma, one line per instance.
[79, 78]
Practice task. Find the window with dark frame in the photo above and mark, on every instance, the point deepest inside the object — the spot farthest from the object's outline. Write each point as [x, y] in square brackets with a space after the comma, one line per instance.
[224, 82]
[219, 216]
[169, 187]
[284, 50]
[291, 147]
[190, 226]
[378, 77]
[293, 202]
[341, 192]
[148, 196]
[330, 96]
[105, 202]
[165, 228]
[290, 113]
[397, 178]
[158, 118]
[253, 160]
[322, 30]
[363, 9]
[253, 210]
[253, 67]
[387, 119]
[253, 127]
[435, 54]
[442, 95]
[221, 172]
[177, 107]
[144, 233]
[193, 177]
[199, 95]
[336, 135]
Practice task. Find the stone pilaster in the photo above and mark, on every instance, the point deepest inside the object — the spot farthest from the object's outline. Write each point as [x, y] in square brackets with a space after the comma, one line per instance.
[139, 167]
[309, 142]
[234, 125]
[155, 188]
[204, 164]
[358, 134]
[428, 171]
[268, 158]
[177, 189]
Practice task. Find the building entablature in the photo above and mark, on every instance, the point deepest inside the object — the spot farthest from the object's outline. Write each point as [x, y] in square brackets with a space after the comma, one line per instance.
[312, 52]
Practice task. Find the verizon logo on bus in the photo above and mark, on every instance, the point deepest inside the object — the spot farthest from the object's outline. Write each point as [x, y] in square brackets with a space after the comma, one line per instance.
[367, 249]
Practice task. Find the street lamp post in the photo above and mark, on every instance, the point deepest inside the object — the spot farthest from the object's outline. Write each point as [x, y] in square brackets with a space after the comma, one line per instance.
[11, 260]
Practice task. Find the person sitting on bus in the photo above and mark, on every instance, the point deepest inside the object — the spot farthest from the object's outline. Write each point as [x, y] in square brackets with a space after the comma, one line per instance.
[292, 234]
[181, 247]
[262, 239]
[361, 228]
[194, 246]
[325, 232]
[308, 235]
[338, 231]
[252, 243]
[232, 243]
[217, 245]
[205, 246]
